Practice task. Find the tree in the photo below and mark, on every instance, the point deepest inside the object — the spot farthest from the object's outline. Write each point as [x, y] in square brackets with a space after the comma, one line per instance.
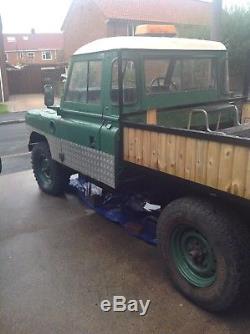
[236, 37]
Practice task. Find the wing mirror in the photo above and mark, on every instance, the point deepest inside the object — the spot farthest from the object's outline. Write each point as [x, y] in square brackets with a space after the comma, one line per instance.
[49, 95]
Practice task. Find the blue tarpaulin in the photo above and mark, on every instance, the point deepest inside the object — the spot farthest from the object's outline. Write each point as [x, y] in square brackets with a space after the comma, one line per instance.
[126, 209]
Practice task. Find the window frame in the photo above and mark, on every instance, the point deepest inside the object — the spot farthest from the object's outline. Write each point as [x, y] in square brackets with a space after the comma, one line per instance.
[69, 81]
[11, 39]
[44, 55]
[179, 99]
[179, 58]
[83, 107]
[87, 97]
[113, 103]
[30, 53]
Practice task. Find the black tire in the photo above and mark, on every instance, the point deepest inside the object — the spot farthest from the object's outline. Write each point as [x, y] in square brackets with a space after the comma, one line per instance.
[53, 179]
[228, 240]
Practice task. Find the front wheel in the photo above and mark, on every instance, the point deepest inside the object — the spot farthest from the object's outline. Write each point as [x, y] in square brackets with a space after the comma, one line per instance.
[206, 252]
[51, 177]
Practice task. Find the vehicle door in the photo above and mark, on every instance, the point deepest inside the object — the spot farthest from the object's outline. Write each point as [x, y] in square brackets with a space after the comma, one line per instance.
[82, 116]
[110, 131]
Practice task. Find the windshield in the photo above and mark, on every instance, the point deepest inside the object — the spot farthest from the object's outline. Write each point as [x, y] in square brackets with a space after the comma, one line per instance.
[184, 74]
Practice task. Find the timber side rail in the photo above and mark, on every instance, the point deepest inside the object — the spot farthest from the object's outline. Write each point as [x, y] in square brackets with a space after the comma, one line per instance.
[215, 160]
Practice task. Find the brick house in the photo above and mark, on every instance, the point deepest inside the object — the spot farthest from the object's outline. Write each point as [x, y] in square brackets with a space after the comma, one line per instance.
[33, 48]
[33, 59]
[4, 92]
[88, 20]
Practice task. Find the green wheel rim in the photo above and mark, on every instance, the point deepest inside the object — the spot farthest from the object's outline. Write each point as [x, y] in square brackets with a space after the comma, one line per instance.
[193, 256]
[44, 170]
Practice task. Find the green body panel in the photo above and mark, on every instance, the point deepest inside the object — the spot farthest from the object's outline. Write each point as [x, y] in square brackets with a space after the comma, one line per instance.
[41, 119]
[98, 125]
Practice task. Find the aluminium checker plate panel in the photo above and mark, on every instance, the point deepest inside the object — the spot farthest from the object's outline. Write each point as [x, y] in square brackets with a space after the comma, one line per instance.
[93, 163]
[88, 161]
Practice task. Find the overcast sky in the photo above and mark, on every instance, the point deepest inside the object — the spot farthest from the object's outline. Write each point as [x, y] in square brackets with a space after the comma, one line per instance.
[19, 16]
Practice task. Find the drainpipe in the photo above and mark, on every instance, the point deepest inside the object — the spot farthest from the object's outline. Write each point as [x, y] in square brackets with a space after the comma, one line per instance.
[216, 20]
[2, 60]
[1, 84]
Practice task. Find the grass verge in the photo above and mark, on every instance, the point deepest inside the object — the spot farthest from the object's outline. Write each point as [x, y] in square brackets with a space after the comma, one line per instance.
[3, 108]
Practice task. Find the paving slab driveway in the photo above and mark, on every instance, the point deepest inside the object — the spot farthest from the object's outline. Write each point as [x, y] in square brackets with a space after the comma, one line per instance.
[59, 260]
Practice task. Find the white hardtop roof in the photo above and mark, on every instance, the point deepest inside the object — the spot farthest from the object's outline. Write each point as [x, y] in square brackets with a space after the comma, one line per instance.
[149, 43]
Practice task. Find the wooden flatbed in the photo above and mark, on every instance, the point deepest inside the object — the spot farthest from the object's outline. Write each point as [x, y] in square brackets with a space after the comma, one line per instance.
[217, 160]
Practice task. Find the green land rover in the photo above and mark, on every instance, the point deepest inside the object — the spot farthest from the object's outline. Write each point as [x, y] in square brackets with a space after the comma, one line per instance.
[154, 114]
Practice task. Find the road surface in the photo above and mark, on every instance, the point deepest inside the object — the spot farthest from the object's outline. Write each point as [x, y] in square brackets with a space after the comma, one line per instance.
[13, 148]
[59, 260]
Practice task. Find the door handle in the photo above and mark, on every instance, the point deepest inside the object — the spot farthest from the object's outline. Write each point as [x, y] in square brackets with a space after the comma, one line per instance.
[108, 125]
[92, 142]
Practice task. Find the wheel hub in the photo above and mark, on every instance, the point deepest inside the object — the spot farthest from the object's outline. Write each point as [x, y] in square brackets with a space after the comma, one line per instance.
[193, 256]
[45, 170]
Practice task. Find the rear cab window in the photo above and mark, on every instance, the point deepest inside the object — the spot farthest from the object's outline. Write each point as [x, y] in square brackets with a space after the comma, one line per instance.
[172, 75]
[178, 78]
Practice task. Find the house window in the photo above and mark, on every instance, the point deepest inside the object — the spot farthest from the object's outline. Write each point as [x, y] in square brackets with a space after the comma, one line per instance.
[11, 39]
[47, 55]
[30, 55]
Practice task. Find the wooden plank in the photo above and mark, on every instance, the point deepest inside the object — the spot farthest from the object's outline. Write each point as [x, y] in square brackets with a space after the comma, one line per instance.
[213, 164]
[247, 181]
[180, 156]
[245, 117]
[190, 159]
[171, 155]
[138, 146]
[153, 149]
[201, 161]
[146, 149]
[152, 116]
[226, 167]
[126, 144]
[131, 136]
[162, 152]
[240, 161]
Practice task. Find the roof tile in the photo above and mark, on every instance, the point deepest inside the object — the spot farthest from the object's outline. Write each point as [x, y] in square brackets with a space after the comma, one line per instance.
[172, 11]
[35, 41]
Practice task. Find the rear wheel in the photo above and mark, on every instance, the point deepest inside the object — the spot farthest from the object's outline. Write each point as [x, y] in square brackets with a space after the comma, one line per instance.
[206, 252]
[51, 177]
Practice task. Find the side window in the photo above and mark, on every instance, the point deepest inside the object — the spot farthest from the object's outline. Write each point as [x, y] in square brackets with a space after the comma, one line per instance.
[94, 81]
[129, 82]
[85, 82]
[172, 75]
[77, 89]
[155, 72]
[194, 74]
